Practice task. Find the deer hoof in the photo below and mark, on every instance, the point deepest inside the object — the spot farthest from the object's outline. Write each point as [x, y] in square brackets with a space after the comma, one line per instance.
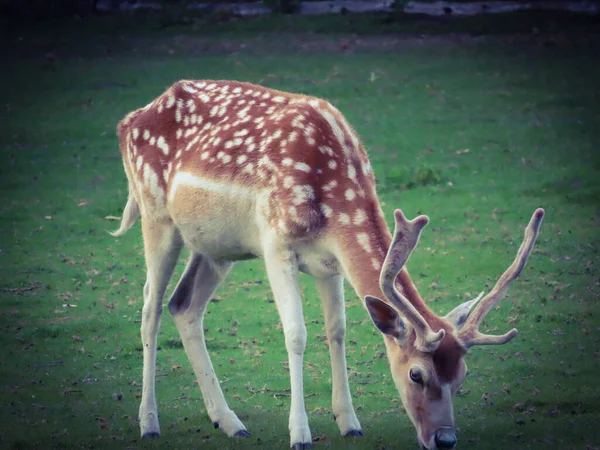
[151, 435]
[354, 433]
[241, 434]
[301, 446]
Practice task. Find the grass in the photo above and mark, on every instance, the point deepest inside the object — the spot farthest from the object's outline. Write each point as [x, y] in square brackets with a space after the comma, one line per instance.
[474, 132]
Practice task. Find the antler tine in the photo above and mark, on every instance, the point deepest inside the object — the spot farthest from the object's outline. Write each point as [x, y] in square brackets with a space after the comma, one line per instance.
[469, 334]
[406, 237]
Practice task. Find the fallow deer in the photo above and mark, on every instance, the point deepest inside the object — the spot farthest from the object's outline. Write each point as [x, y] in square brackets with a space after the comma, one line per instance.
[235, 171]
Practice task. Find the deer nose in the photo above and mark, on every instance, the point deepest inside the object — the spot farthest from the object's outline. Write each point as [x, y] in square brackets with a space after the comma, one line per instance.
[445, 438]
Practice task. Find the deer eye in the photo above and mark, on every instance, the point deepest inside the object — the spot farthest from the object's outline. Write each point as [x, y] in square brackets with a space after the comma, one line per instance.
[416, 376]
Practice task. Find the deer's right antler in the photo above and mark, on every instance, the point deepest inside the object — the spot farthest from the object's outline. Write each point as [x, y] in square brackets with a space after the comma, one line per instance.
[406, 237]
[469, 334]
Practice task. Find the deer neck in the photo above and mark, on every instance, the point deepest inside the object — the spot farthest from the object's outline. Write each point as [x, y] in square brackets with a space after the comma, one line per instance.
[363, 252]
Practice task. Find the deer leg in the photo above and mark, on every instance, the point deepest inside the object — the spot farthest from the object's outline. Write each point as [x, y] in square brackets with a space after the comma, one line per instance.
[202, 276]
[331, 291]
[162, 245]
[282, 270]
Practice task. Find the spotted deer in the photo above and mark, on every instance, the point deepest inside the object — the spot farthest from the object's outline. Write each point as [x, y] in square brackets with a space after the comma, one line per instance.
[234, 171]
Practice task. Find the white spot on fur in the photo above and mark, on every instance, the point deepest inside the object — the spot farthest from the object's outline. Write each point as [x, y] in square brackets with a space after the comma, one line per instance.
[135, 133]
[241, 159]
[350, 194]
[352, 172]
[287, 161]
[327, 211]
[359, 217]
[192, 143]
[302, 166]
[326, 150]
[330, 186]
[297, 122]
[344, 219]
[332, 164]
[190, 131]
[162, 144]
[151, 182]
[188, 88]
[302, 194]
[364, 241]
[288, 182]
[171, 101]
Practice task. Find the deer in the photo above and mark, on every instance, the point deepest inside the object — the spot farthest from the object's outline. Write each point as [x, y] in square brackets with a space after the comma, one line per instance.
[234, 171]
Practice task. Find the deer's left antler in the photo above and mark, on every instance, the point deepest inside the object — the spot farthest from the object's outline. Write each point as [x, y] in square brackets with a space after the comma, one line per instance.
[469, 334]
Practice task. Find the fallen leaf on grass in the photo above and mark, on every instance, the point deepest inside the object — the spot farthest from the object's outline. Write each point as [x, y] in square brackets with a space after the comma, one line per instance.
[112, 218]
[462, 152]
[83, 203]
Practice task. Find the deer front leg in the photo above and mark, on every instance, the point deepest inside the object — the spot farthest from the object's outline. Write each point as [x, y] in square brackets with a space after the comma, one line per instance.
[282, 270]
[162, 245]
[187, 305]
[331, 291]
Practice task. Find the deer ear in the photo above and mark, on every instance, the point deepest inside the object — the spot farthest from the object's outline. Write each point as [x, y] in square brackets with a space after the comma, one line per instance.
[385, 318]
[458, 316]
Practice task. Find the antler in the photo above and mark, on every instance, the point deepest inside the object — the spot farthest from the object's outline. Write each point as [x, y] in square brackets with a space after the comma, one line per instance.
[406, 237]
[469, 334]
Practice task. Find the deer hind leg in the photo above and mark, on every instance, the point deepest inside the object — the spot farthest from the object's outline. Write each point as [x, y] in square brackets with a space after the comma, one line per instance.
[188, 303]
[331, 291]
[162, 245]
[282, 270]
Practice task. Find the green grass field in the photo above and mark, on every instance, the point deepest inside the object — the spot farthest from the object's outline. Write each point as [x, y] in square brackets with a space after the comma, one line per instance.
[475, 132]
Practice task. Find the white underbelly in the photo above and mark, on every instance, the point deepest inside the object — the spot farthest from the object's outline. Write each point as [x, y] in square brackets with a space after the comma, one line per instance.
[215, 219]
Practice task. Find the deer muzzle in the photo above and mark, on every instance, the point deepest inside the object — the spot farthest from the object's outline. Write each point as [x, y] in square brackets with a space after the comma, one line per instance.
[445, 438]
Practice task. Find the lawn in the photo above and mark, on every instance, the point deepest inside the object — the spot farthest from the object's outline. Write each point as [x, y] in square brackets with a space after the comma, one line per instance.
[474, 131]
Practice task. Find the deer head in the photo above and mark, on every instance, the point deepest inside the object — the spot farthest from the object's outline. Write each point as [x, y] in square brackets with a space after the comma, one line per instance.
[426, 352]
